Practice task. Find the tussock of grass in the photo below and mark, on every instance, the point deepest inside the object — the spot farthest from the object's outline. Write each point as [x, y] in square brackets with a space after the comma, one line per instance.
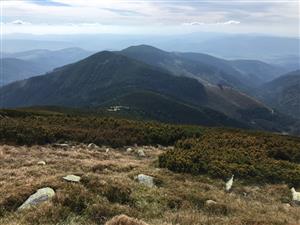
[124, 220]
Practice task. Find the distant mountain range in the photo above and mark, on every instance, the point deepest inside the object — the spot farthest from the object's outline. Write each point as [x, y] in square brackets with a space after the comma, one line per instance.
[283, 93]
[151, 90]
[270, 49]
[241, 74]
[22, 65]
[17, 69]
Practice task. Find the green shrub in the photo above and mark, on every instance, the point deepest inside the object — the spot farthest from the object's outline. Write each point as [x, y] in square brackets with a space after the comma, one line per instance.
[254, 157]
[29, 128]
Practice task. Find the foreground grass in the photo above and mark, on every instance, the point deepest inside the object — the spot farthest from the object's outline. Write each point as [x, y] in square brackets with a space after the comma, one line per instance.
[108, 188]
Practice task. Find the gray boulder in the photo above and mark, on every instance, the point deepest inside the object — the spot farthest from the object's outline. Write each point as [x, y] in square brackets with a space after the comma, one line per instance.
[146, 180]
[72, 178]
[141, 153]
[42, 195]
[92, 146]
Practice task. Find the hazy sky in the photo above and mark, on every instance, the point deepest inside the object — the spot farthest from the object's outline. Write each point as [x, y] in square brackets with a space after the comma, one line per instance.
[150, 16]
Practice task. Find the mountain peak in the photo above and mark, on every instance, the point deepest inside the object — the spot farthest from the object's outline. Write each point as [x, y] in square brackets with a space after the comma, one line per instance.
[143, 48]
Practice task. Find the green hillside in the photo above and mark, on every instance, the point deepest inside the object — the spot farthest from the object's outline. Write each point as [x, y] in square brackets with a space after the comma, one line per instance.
[96, 79]
[109, 79]
[283, 93]
[152, 106]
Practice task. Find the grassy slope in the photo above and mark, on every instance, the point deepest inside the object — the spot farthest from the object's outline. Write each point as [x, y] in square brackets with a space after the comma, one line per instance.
[108, 188]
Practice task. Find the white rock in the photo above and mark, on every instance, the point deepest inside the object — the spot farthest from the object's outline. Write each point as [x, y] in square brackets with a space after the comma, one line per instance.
[129, 150]
[210, 202]
[146, 180]
[107, 150]
[61, 145]
[229, 184]
[141, 153]
[38, 197]
[295, 195]
[92, 145]
[41, 163]
[72, 178]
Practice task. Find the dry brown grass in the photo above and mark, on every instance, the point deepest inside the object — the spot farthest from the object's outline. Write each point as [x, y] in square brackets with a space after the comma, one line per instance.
[108, 189]
[124, 220]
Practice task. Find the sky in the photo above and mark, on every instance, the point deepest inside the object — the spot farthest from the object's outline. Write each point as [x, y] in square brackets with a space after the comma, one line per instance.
[162, 17]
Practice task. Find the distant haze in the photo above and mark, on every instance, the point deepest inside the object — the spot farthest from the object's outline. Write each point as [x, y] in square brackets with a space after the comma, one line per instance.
[277, 50]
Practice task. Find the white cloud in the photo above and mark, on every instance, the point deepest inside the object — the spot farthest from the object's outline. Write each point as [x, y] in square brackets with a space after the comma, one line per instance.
[229, 22]
[193, 23]
[19, 22]
[94, 15]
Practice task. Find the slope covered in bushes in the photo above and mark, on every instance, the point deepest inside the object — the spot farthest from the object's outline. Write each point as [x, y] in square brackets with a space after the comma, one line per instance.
[253, 157]
[42, 127]
[219, 152]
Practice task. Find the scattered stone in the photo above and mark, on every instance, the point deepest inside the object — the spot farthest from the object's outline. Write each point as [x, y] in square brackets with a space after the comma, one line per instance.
[107, 150]
[124, 220]
[41, 163]
[72, 178]
[146, 180]
[129, 150]
[92, 146]
[38, 197]
[255, 188]
[141, 153]
[229, 183]
[295, 195]
[210, 202]
[61, 145]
